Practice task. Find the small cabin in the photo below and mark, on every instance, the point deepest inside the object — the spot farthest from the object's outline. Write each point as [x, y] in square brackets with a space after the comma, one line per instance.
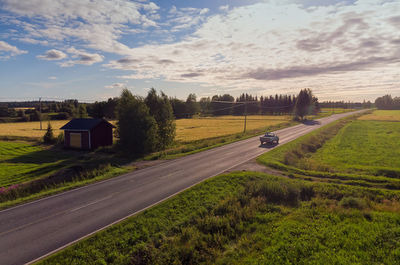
[87, 134]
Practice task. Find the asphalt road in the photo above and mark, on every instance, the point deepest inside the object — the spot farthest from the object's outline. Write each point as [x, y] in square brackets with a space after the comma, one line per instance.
[33, 230]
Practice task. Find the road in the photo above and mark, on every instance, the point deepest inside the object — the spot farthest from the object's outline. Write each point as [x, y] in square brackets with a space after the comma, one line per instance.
[34, 230]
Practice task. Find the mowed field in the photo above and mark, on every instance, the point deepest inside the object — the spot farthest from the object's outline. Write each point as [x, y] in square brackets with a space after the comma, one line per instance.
[382, 115]
[29, 129]
[201, 128]
[186, 129]
[21, 162]
[361, 151]
[369, 145]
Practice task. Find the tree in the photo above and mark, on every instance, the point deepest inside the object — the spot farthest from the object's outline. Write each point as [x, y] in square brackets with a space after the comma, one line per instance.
[82, 113]
[303, 103]
[48, 137]
[136, 128]
[192, 107]
[205, 105]
[179, 108]
[160, 108]
[387, 102]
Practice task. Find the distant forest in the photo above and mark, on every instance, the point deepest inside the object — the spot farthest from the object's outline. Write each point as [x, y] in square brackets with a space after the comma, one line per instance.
[388, 103]
[216, 105]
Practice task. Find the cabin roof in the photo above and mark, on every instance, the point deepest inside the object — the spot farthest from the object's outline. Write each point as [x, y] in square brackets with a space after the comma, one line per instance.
[83, 124]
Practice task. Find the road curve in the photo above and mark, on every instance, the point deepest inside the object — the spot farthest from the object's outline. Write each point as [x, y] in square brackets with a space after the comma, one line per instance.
[34, 230]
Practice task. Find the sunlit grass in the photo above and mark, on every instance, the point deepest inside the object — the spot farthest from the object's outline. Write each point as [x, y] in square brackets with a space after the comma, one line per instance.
[21, 162]
[186, 129]
[201, 128]
[30, 129]
[382, 115]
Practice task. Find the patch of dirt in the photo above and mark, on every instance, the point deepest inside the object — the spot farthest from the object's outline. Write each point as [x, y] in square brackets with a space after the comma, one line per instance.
[252, 165]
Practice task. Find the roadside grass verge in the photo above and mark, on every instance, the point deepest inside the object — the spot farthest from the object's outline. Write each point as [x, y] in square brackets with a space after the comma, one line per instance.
[349, 151]
[253, 218]
[30, 171]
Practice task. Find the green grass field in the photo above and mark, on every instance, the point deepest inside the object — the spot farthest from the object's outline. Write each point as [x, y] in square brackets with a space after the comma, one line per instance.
[354, 151]
[253, 218]
[363, 146]
[21, 162]
[30, 171]
[382, 115]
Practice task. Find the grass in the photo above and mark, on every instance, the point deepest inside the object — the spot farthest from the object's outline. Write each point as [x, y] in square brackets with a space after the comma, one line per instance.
[382, 115]
[29, 129]
[351, 151]
[29, 162]
[253, 218]
[189, 130]
[363, 146]
[30, 171]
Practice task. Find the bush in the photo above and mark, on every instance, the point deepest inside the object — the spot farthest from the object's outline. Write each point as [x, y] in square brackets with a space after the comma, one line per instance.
[61, 116]
[48, 137]
[276, 192]
[353, 202]
[60, 139]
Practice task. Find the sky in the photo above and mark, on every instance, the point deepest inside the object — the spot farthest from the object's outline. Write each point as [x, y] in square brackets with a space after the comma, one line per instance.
[92, 49]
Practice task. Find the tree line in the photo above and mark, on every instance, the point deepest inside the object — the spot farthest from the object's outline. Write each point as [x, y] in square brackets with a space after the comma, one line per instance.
[388, 103]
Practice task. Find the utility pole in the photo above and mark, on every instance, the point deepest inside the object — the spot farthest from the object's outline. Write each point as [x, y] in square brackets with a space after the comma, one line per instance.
[245, 117]
[40, 111]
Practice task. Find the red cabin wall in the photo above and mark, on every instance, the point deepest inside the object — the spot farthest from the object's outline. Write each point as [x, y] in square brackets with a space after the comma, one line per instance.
[101, 135]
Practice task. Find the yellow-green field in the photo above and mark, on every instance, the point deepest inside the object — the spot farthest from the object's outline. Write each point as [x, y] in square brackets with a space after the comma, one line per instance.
[382, 115]
[29, 129]
[336, 110]
[186, 129]
[201, 128]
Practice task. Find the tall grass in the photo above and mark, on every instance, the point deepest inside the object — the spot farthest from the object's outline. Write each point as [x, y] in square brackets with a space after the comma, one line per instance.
[252, 218]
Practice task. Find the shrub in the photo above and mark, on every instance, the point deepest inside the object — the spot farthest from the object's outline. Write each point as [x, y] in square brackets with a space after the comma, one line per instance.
[276, 192]
[60, 138]
[353, 202]
[48, 137]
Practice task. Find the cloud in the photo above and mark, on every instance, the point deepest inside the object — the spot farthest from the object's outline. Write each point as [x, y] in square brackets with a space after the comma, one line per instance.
[190, 75]
[81, 57]
[311, 70]
[97, 24]
[7, 50]
[52, 77]
[224, 8]
[52, 54]
[117, 86]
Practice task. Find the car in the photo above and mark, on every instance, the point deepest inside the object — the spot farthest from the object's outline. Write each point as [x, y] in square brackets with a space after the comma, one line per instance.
[269, 138]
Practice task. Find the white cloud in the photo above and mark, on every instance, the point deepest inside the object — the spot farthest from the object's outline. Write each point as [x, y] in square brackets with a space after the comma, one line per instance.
[280, 47]
[52, 77]
[99, 24]
[224, 8]
[117, 86]
[7, 50]
[52, 54]
[81, 57]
